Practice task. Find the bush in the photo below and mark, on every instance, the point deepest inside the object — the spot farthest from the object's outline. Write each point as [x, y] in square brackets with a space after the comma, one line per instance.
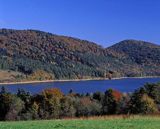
[153, 91]
[148, 105]
[110, 102]
[15, 107]
[141, 103]
[86, 107]
[67, 107]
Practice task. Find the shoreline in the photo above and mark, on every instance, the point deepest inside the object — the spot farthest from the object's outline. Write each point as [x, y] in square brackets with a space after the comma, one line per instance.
[71, 80]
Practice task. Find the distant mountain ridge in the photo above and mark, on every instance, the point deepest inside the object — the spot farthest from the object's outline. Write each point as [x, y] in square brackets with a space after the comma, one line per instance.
[28, 51]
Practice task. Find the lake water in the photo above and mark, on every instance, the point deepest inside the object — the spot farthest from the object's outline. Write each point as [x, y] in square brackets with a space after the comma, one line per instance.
[123, 85]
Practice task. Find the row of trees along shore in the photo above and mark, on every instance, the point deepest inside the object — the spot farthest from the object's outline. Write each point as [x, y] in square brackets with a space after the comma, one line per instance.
[53, 104]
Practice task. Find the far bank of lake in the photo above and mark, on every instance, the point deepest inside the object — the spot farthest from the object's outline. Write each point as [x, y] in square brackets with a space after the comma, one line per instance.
[69, 80]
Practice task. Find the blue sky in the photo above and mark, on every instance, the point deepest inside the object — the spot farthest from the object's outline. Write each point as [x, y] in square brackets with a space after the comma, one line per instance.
[102, 21]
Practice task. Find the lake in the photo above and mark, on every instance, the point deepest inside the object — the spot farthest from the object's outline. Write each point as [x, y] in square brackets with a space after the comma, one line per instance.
[123, 85]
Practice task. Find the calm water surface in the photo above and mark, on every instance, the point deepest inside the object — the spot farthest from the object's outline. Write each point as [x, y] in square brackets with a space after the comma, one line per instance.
[123, 85]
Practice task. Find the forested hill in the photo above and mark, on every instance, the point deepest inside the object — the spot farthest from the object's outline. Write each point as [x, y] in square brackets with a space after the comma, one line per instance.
[35, 53]
[139, 51]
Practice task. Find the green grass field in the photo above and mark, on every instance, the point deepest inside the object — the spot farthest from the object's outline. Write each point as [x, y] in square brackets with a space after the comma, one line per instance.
[99, 123]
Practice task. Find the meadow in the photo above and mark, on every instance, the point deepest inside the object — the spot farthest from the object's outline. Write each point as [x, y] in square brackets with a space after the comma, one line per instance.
[113, 122]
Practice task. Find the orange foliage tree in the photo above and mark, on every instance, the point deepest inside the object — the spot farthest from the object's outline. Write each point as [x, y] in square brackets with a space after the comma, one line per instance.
[117, 95]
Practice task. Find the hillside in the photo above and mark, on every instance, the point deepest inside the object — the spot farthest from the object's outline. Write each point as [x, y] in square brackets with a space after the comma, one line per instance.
[141, 52]
[144, 54]
[29, 51]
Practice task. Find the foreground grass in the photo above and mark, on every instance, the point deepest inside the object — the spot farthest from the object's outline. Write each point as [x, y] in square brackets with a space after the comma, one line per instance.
[137, 122]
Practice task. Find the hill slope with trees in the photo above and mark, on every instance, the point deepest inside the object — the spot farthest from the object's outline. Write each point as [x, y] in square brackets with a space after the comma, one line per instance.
[35, 53]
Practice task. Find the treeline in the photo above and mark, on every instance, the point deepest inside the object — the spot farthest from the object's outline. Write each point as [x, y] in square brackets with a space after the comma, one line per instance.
[53, 104]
